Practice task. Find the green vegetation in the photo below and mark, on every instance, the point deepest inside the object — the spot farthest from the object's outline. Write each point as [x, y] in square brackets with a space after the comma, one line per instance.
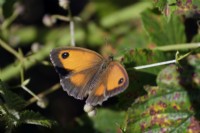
[159, 99]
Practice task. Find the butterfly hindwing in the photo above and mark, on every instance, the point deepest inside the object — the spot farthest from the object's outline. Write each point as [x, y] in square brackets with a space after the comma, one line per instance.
[113, 81]
[97, 95]
[117, 79]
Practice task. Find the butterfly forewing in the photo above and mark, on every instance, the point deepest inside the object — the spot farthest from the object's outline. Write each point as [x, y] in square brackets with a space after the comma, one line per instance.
[76, 67]
[77, 85]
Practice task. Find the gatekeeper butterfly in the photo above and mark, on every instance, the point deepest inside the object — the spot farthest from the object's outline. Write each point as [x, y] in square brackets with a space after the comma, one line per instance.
[84, 73]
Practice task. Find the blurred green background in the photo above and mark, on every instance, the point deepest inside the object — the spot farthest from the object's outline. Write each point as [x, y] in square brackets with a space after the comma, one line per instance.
[127, 29]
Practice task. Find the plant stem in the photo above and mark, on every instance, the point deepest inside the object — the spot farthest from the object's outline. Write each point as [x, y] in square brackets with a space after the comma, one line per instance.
[126, 14]
[30, 92]
[9, 20]
[44, 93]
[60, 17]
[10, 49]
[178, 47]
[71, 26]
[155, 64]
[163, 63]
[14, 69]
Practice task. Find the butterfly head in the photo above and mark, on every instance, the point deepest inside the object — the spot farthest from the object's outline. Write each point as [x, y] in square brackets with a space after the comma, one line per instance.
[110, 58]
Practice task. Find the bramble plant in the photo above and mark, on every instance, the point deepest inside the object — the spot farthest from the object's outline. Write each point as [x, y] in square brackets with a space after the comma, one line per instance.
[156, 41]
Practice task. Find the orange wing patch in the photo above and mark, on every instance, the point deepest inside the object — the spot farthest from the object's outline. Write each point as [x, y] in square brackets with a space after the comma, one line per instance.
[78, 79]
[78, 60]
[100, 90]
[113, 81]
[117, 76]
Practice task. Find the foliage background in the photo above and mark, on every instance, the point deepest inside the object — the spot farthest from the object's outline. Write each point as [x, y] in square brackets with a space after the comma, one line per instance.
[136, 32]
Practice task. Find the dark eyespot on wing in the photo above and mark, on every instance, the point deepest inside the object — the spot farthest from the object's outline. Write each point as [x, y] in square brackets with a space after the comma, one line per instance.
[121, 80]
[65, 55]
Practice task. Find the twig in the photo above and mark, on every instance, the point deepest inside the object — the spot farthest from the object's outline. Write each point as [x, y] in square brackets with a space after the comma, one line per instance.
[124, 15]
[60, 17]
[9, 20]
[71, 26]
[22, 65]
[155, 64]
[14, 69]
[165, 62]
[10, 49]
[43, 94]
[30, 92]
[178, 47]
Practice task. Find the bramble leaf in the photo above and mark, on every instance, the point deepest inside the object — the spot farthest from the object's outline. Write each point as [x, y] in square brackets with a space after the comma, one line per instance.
[137, 78]
[173, 105]
[12, 100]
[178, 7]
[108, 120]
[11, 111]
[30, 117]
[162, 32]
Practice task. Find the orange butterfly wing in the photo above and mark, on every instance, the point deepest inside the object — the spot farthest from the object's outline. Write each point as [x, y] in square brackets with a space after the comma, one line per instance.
[113, 81]
[74, 59]
[76, 68]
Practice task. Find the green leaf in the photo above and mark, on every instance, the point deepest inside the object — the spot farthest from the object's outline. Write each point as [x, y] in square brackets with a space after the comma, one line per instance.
[196, 3]
[140, 57]
[9, 117]
[108, 121]
[12, 100]
[167, 7]
[173, 105]
[8, 8]
[1, 3]
[26, 82]
[178, 7]
[196, 38]
[161, 4]
[138, 78]
[30, 117]
[162, 32]
[11, 112]
[194, 61]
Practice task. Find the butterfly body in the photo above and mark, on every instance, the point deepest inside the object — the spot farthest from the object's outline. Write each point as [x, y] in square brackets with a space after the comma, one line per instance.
[84, 73]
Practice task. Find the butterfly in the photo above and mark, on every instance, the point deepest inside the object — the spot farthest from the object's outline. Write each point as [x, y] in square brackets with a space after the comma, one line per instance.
[85, 73]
